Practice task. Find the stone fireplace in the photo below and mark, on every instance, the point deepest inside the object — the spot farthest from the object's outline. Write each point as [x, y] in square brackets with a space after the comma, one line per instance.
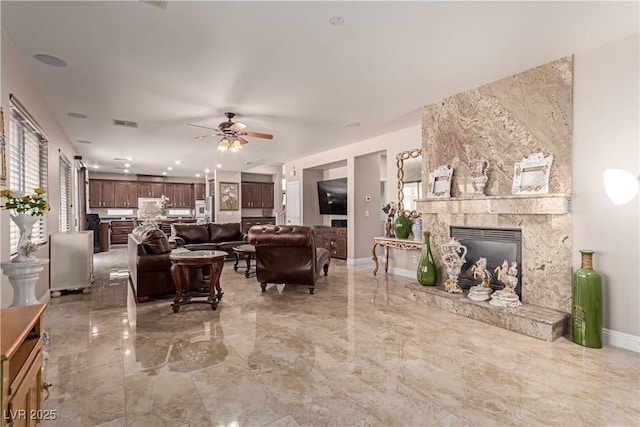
[497, 246]
[504, 122]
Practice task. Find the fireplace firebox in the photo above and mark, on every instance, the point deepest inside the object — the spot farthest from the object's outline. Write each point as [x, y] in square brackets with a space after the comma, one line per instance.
[496, 246]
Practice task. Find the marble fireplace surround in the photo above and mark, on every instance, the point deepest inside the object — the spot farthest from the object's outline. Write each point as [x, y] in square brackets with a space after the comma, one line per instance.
[504, 122]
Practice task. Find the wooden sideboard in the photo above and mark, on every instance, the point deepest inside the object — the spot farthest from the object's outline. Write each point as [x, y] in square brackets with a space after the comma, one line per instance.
[333, 239]
[21, 366]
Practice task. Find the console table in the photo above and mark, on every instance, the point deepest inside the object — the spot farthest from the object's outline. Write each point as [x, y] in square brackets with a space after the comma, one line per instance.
[391, 242]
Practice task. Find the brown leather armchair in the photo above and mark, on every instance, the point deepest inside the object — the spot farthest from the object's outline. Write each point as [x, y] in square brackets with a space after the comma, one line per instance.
[288, 254]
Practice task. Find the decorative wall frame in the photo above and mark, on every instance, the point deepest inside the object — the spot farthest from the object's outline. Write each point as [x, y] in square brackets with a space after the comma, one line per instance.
[229, 196]
[440, 183]
[531, 175]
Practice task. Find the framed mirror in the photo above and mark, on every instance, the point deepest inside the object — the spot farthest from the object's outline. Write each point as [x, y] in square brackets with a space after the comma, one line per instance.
[409, 165]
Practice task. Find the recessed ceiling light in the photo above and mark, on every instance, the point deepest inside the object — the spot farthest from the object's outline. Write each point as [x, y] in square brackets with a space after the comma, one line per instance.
[352, 124]
[95, 166]
[197, 175]
[178, 162]
[130, 158]
[169, 168]
[164, 173]
[127, 165]
[336, 21]
[77, 115]
[218, 165]
[50, 60]
[126, 171]
[83, 141]
[206, 170]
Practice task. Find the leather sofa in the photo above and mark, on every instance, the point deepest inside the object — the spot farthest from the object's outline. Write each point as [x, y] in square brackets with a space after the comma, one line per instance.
[288, 254]
[149, 264]
[210, 236]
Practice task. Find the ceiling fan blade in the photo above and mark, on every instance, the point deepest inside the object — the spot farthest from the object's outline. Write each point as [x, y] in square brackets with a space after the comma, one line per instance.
[206, 136]
[198, 126]
[258, 135]
[242, 140]
[237, 127]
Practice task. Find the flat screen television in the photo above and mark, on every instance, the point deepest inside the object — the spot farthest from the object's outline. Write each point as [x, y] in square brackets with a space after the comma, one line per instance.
[332, 196]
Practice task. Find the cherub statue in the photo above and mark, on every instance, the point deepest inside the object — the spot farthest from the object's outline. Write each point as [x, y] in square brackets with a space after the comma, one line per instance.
[512, 277]
[502, 271]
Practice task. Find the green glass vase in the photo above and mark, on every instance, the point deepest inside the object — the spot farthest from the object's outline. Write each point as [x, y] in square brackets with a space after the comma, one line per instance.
[586, 310]
[402, 226]
[427, 273]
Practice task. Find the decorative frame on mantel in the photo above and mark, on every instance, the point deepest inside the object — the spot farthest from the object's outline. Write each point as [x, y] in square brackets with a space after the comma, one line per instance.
[531, 175]
[440, 182]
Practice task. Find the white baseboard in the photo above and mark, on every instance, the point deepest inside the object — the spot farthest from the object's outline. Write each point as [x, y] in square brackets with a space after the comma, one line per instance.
[360, 261]
[621, 340]
[403, 272]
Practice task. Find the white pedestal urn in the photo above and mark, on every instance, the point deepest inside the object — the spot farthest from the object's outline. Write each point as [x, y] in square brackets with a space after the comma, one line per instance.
[23, 277]
[24, 269]
[26, 249]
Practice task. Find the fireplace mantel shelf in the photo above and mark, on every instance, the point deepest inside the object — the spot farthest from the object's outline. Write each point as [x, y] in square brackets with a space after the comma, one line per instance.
[544, 204]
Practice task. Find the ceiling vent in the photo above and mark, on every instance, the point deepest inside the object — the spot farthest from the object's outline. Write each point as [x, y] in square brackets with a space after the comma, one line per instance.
[125, 123]
[157, 3]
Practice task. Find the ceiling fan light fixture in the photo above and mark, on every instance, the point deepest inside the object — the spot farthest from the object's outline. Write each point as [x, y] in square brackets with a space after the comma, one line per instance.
[224, 144]
[236, 146]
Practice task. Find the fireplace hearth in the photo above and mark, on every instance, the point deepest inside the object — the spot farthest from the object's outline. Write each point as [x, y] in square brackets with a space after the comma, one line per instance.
[496, 246]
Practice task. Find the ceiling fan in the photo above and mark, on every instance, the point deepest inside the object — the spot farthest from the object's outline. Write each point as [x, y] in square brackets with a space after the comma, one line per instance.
[232, 134]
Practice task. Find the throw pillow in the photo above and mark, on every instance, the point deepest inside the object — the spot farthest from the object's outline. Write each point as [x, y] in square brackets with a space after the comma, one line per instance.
[156, 242]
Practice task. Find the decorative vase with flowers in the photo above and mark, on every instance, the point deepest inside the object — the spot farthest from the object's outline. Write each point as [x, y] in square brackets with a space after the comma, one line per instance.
[25, 212]
[164, 206]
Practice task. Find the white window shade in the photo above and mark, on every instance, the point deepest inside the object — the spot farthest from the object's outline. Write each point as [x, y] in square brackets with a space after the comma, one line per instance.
[28, 165]
[65, 194]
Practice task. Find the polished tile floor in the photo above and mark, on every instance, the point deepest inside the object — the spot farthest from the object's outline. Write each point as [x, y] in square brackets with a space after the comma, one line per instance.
[356, 353]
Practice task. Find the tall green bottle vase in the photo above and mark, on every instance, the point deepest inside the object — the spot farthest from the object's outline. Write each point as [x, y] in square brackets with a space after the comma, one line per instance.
[427, 272]
[586, 310]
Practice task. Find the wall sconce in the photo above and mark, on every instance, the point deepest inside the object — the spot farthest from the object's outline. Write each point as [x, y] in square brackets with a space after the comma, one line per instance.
[621, 186]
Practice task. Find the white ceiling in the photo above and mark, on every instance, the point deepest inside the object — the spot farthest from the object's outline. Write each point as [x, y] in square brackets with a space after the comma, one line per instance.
[281, 66]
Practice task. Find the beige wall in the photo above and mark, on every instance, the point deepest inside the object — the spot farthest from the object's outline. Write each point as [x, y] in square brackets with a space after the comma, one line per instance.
[606, 135]
[365, 213]
[227, 176]
[16, 80]
[391, 144]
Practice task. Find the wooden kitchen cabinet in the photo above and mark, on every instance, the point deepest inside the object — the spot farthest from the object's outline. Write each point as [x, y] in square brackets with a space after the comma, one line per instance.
[151, 189]
[199, 192]
[21, 366]
[101, 193]
[125, 194]
[257, 195]
[180, 195]
[120, 230]
[247, 223]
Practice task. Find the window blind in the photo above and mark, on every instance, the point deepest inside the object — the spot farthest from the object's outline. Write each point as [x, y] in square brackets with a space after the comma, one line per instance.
[65, 194]
[28, 165]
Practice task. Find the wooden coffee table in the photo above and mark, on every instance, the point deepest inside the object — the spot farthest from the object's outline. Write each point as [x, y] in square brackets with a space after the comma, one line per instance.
[182, 262]
[246, 252]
